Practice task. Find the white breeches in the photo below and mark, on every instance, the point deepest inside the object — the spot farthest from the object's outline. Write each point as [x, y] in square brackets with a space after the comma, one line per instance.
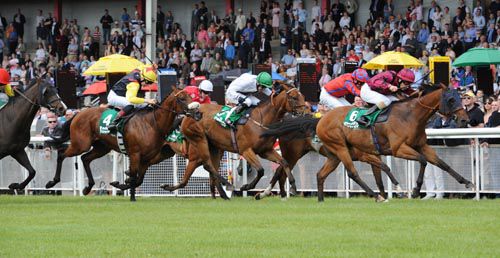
[249, 101]
[119, 101]
[373, 97]
[330, 101]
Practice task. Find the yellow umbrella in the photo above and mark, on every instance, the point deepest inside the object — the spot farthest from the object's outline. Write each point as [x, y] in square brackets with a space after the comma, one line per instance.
[392, 58]
[115, 63]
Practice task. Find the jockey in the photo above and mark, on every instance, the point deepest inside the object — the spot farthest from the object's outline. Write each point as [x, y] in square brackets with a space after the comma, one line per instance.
[380, 88]
[124, 93]
[201, 94]
[332, 94]
[5, 87]
[240, 90]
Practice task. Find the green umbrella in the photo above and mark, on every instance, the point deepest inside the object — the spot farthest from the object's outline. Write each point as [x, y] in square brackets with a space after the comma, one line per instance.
[478, 56]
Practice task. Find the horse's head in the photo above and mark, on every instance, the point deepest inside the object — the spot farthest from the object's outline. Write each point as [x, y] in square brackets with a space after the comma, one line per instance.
[49, 98]
[183, 101]
[451, 105]
[294, 101]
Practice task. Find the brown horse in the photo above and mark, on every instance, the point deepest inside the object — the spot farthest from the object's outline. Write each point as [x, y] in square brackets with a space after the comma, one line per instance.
[209, 139]
[144, 136]
[16, 118]
[402, 136]
[294, 147]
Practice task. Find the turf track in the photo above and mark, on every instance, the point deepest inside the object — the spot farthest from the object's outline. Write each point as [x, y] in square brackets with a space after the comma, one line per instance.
[299, 227]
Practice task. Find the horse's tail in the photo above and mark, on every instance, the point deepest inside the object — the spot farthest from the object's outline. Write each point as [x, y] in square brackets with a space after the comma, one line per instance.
[300, 127]
[65, 132]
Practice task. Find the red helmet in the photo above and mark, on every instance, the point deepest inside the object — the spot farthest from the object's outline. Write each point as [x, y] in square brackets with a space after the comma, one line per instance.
[360, 75]
[4, 76]
[406, 75]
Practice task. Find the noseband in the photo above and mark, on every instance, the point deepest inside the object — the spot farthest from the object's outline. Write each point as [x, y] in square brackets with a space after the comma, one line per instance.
[290, 100]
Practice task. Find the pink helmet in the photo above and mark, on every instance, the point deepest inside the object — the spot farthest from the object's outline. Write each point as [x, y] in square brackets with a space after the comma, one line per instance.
[360, 75]
[406, 75]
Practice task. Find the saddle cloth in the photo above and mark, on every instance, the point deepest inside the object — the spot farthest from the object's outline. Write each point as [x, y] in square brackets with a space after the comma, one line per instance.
[236, 119]
[377, 117]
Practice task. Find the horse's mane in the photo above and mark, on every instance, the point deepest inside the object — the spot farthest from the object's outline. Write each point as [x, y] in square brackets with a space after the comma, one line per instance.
[423, 90]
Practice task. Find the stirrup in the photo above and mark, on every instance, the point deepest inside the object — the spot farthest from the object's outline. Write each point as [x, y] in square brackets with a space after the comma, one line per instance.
[363, 121]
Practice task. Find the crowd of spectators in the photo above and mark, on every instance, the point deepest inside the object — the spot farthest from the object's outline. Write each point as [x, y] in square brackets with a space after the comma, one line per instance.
[218, 42]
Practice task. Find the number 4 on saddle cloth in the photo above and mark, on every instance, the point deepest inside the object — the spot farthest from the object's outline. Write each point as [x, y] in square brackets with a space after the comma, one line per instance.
[378, 116]
[106, 118]
[235, 118]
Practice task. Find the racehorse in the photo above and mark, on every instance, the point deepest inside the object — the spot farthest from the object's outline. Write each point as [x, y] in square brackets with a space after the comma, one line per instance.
[144, 137]
[402, 136]
[293, 147]
[210, 139]
[16, 118]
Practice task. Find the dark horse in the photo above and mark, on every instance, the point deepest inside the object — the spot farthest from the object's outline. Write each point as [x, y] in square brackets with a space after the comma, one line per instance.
[208, 139]
[297, 144]
[16, 119]
[144, 136]
[402, 136]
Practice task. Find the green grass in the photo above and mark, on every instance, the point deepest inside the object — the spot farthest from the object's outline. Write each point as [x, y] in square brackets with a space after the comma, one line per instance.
[51, 226]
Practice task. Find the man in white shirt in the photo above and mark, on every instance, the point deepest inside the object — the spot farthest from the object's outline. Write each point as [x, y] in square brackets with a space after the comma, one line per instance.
[316, 11]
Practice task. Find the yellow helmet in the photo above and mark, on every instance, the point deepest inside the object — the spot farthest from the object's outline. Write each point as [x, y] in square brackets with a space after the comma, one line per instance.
[148, 73]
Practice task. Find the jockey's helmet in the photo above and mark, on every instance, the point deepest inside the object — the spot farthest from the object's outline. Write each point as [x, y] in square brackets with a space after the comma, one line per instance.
[265, 79]
[4, 77]
[148, 73]
[207, 86]
[406, 75]
[360, 75]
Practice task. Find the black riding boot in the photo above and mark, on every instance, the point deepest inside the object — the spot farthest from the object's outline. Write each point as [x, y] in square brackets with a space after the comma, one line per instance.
[363, 120]
[112, 127]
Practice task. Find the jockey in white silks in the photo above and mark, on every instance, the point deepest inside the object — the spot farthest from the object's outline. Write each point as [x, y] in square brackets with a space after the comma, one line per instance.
[241, 89]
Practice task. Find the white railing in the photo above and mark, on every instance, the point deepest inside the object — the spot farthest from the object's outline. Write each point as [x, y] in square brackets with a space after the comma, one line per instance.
[474, 162]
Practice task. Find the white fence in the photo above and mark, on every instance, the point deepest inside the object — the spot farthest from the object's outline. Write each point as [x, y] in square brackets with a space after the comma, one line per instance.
[479, 164]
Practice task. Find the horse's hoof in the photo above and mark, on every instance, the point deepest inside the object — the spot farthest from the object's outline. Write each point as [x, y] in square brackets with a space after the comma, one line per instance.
[293, 190]
[469, 185]
[127, 172]
[229, 187]
[132, 199]
[115, 184]
[379, 198]
[245, 187]
[321, 199]
[401, 195]
[416, 193]
[51, 184]
[15, 186]
[86, 190]
[257, 197]
[167, 187]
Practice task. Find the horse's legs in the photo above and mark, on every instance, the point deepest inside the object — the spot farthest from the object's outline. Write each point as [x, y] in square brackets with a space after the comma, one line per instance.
[23, 159]
[407, 152]
[57, 176]
[98, 150]
[431, 156]
[191, 166]
[343, 154]
[275, 157]
[330, 165]
[251, 158]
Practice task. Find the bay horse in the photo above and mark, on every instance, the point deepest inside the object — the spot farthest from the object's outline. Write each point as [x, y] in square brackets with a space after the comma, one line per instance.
[144, 137]
[16, 119]
[402, 136]
[293, 147]
[209, 139]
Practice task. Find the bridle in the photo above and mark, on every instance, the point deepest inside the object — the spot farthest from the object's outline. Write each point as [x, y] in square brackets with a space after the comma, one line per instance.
[178, 101]
[41, 99]
[290, 99]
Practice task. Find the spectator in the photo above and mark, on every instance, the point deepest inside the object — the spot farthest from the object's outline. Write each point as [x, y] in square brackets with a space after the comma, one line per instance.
[18, 21]
[125, 17]
[325, 77]
[106, 21]
[476, 116]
